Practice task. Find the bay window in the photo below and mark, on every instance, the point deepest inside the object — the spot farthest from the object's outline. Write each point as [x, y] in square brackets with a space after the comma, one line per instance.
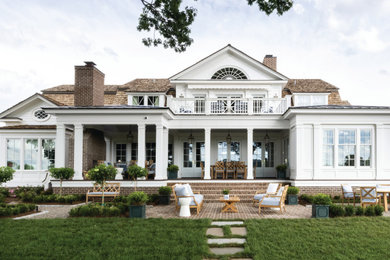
[13, 153]
[310, 100]
[31, 154]
[48, 153]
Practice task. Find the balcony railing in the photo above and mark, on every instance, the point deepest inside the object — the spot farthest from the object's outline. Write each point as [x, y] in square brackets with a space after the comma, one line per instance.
[212, 106]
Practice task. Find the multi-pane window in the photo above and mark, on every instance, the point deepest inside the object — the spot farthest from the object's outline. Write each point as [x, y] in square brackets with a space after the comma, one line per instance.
[257, 154]
[31, 154]
[235, 151]
[346, 147]
[170, 154]
[151, 152]
[328, 147]
[200, 153]
[199, 104]
[222, 151]
[121, 152]
[365, 147]
[187, 154]
[13, 153]
[134, 151]
[138, 100]
[152, 100]
[269, 154]
[48, 153]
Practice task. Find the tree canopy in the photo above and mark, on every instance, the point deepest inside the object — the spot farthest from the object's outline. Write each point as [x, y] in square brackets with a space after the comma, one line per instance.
[172, 23]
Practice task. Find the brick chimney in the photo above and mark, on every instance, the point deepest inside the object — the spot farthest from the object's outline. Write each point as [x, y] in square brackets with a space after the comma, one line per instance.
[270, 61]
[88, 85]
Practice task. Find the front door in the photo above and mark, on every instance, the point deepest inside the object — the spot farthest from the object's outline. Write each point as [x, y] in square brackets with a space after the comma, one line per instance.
[264, 159]
[193, 156]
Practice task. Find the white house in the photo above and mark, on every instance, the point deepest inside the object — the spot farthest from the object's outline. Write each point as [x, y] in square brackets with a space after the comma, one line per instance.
[226, 107]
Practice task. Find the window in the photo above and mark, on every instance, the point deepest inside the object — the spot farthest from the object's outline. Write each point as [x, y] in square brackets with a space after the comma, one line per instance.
[134, 151]
[153, 101]
[199, 104]
[200, 153]
[13, 153]
[328, 147]
[31, 154]
[310, 100]
[269, 154]
[257, 154]
[170, 154]
[151, 152]
[138, 100]
[235, 151]
[40, 115]
[222, 151]
[229, 74]
[347, 147]
[121, 152]
[48, 153]
[187, 152]
[365, 147]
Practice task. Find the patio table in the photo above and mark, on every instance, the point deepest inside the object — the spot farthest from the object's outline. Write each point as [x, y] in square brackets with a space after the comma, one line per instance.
[229, 204]
[384, 190]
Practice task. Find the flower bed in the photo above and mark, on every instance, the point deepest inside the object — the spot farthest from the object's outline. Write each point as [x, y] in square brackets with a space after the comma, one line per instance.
[7, 210]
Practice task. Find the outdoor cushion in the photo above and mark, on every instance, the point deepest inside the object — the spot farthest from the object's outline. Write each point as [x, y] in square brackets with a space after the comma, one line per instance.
[280, 191]
[271, 201]
[198, 199]
[348, 195]
[188, 187]
[369, 200]
[259, 196]
[347, 189]
[272, 187]
[180, 190]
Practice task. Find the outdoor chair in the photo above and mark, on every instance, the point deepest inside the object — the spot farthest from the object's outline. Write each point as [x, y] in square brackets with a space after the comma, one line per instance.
[230, 170]
[275, 201]
[241, 170]
[219, 170]
[368, 196]
[185, 191]
[348, 194]
[202, 169]
[271, 190]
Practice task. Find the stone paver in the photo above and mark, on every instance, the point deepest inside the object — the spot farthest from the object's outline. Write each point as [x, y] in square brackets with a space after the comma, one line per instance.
[226, 250]
[218, 232]
[226, 223]
[221, 241]
[241, 231]
[55, 211]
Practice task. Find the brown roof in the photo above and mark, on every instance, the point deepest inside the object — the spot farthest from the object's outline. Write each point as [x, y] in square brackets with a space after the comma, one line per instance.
[29, 127]
[147, 85]
[70, 89]
[55, 102]
[309, 86]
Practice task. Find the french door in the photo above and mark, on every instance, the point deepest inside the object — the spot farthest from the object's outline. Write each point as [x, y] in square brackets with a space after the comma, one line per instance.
[264, 159]
[193, 155]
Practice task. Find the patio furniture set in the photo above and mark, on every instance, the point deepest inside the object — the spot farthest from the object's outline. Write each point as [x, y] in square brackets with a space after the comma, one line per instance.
[227, 170]
[369, 195]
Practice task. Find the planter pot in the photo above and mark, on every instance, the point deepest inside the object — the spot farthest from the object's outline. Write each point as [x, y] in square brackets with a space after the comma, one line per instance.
[320, 211]
[281, 175]
[172, 175]
[292, 199]
[164, 199]
[226, 197]
[137, 211]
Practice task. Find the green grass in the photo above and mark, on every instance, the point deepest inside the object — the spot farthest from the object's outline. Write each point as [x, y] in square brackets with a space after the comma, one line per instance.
[338, 238]
[103, 238]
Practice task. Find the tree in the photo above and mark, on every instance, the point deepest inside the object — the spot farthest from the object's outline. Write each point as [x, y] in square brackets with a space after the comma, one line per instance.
[100, 174]
[6, 174]
[61, 174]
[172, 24]
[136, 172]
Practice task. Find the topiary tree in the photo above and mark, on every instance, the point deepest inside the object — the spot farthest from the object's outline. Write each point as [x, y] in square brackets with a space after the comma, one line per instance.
[6, 174]
[61, 174]
[136, 172]
[100, 174]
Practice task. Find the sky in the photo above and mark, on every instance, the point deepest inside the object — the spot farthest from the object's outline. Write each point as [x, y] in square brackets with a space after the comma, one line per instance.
[344, 42]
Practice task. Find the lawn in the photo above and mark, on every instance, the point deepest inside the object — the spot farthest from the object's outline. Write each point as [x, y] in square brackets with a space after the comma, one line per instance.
[103, 238]
[338, 238]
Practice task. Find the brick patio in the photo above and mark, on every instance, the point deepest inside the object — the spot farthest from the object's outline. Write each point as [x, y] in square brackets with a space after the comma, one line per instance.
[245, 211]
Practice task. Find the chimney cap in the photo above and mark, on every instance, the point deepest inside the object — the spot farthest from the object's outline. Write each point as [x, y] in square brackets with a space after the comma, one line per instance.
[89, 63]
[268, 56]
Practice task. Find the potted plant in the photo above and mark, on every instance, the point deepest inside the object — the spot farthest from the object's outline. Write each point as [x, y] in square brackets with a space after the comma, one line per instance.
[136, 172]
[281, 171]
[6, 174]
[165, 195]
[320, 206]
[61, 174]
[138, 200]
[172, 171]
[292, 195]
[100, 174]
[225, 193]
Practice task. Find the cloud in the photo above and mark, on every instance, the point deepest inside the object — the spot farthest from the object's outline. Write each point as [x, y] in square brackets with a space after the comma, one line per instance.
[298, 8]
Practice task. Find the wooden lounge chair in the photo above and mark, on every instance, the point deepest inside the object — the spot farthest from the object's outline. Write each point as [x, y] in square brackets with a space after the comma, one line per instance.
[202, 170]
[241, 170]
[275, 201]
[219, 170]
[271, 190]
[368, 196]
[230, 170]
[348, 194]
[179, 191]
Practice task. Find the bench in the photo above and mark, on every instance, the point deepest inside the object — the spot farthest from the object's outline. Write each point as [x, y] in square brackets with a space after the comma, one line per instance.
[110, 190]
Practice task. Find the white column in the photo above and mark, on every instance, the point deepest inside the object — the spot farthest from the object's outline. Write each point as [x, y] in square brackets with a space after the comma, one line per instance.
[40, 153]
[145, 100]
[316, 150]
[165, 151]
[141, 145]
[250, 106]
[60, 146]
[3, 151]
[160, 172]
[108, 149]
[113, 152]
[207, 153]
[128, 152]
[78, 151]
[249, 174]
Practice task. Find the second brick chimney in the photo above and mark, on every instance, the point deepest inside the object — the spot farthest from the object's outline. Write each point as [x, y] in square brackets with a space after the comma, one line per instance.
[88, 85]
[270, 61]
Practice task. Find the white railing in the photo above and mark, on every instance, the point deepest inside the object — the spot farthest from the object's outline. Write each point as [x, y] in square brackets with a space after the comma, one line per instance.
[228, 105]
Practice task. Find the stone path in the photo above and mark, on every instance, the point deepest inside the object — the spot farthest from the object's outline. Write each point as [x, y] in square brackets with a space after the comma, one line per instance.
[54, 211]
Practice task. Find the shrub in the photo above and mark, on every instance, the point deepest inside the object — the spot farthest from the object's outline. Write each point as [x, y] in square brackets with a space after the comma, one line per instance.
[165, 190]
[2, 198]
[370, 211]
[62, 174]
[336, 211]
[123, 199]
[379, 210]
[282, 167]
[101, 173]
[349, 210]
[293, 190]
[23, 208]
[4, 191]
[322, 199]
[173, 168]
[226, 192]
[35, 190]
[154, 198]
[138, 198]
[359, 211]
[6, 174]
[95, 210]
[306, 198]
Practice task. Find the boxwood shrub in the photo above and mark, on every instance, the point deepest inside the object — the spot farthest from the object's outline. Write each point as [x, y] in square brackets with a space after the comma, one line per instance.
[370, 211]
[7, 210]
[379, 210]
[359, 211]
[336, 211]
[349, 210]
[30, 196]
[95, 210]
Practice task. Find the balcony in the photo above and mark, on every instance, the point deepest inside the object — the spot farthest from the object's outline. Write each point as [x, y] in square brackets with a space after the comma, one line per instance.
[232, 106]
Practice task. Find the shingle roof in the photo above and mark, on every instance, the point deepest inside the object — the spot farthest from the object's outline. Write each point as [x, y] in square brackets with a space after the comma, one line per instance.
[29, 127]
[309, 86]
[147, 85]
[70, 89]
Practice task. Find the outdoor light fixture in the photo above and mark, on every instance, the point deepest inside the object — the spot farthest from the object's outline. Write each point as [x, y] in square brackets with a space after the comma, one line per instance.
[266, 138]
[228, 138]
[191, 138]
[130, 136]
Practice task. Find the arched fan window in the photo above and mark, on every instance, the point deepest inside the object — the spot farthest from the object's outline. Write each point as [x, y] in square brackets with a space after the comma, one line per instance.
[229, 74]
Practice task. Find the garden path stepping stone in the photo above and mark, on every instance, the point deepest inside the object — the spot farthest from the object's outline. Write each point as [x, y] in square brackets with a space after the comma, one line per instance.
[218, 232]
[226, 223]
[221, 241]
[226, 250]
[241, 231]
